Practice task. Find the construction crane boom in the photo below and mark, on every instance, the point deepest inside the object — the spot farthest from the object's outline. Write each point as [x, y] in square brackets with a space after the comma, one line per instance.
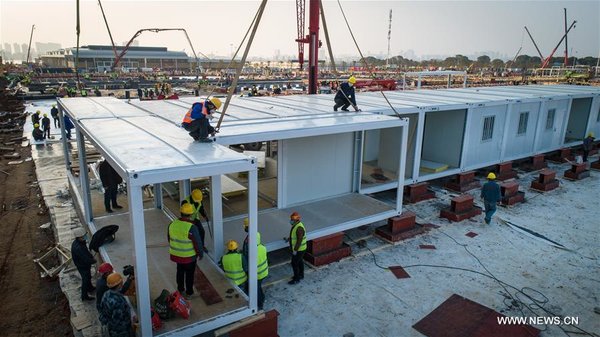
[549, 58]
[312, 39]
[535, 44]
[300, 15]
[387, 60]
[29, 47]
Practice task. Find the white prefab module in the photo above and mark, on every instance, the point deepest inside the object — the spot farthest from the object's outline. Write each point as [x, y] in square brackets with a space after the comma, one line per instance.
[314, 161]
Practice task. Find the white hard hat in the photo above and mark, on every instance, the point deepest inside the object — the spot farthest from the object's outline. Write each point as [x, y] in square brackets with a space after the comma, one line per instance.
[79, 232]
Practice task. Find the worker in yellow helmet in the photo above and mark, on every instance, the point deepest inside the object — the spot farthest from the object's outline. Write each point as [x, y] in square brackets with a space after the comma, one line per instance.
[297, 240]
[587, 145]
[346, 96]
[233, 266]
[195, 199]
[46, 126]
[36, 117]
[37, 134]
[185, 247]
[196, 119]
[490, 193]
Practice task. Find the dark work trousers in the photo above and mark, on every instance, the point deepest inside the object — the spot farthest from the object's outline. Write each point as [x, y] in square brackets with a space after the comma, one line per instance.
[585, 155]
[185, 272]
[199, 128]
[341, 102]
[261, 295]
[198, 224]
[110, 196]
[47, 133]
[56, 122]
[490, 209]
[298, 265]
[86, 282]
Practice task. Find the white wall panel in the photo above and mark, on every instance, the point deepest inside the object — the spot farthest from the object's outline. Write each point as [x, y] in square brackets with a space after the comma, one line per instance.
[521, 144]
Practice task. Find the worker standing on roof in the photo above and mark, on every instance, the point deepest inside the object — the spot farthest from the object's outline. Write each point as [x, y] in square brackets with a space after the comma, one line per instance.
[345, 95]
[297, 242]
[490, 192]
[196, 119]
[83, 260]
[115, 312]
[195, 199]
[262, 265]
[54, 114]
[185, 247]
[587, 145]
[46, 126]
[233, 266]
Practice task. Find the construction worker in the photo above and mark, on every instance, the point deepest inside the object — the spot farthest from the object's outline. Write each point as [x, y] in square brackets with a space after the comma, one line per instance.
[233, 266]
[54, 114]
[185, 247]
[83, 260]
[140, 93]
[587, 145]
[195, 199]
[110, 181]
[345, 95]
[490, 193]
[115, 312]
[37, 134]
[46, 126]
[245, 244]
[297, 240]
[196, 119]
[35, 118]
[68, 126]
[106, 269]
[262, 269]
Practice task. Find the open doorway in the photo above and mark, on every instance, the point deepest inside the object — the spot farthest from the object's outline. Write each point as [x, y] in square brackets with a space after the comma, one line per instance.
[442, 140]
[578, 119]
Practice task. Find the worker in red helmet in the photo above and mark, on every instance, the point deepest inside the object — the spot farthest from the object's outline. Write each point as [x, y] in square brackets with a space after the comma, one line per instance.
[297, 240]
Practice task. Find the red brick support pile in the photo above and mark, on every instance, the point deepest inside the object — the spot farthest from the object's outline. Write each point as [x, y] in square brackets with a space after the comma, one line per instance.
[463, 182]
[264, 327]
[505, 171]
[417, 192]
[461, 208]
[327, 249]
[595, 165]
[577, 172]
[562, 156]
[546, 181]
[400, 227]
[510, 193]
[534, 163]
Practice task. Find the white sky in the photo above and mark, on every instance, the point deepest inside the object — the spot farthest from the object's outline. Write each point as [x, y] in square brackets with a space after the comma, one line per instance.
[426, 27]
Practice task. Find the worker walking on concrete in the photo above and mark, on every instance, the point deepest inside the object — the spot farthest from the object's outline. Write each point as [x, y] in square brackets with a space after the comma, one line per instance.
[195, 199]
[490, 192]
[297, 242]
[587, 145]
[37, 134]
[196, 119]
[83, 260]
[46, 126]
[346, 96]
[115, 312]
[54, 114]
[262, 266]
[185, 247]
[233, 266]
[110, 181]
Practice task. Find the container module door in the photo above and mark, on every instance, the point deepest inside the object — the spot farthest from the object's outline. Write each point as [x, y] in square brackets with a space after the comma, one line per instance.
[552, 124]
[486, 130]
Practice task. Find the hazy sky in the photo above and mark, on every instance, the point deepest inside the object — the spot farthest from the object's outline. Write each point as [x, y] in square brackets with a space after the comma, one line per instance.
[426, 27]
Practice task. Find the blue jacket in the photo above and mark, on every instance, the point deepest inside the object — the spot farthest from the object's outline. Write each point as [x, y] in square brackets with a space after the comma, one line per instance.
[68, 124]
[197, 110]
[490, 192]
[347, 89]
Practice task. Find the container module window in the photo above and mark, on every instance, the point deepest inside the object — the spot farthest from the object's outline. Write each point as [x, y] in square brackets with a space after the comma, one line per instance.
[523, 118]
[550, 119]
[488, 128]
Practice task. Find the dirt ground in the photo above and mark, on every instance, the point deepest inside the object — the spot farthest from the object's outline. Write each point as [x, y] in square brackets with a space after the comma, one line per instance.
[30, 305]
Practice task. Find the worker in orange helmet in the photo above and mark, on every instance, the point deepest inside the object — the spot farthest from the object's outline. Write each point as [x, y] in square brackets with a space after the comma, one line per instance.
[297, 240]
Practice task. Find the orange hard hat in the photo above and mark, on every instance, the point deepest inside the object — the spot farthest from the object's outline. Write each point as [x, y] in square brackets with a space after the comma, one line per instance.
[295, 216]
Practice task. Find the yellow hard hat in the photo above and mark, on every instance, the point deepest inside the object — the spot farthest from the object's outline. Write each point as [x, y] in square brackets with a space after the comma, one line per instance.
[591, 134]
[216, 102]
[197, 195]
[38, 112]
[246, 223]
[36, 125]
[352, 80]
[232, 245]
[187, 209]
[114, 280]
[491, 176]
[45, 115]
[54, 105]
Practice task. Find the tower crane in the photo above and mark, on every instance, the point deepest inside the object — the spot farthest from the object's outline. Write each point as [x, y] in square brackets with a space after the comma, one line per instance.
[312, 39]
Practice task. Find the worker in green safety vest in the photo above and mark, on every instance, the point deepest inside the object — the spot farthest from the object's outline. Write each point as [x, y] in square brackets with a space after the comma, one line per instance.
[233, 266]
[297, 242]
[184, 248]
[195, 199]
[262, 269]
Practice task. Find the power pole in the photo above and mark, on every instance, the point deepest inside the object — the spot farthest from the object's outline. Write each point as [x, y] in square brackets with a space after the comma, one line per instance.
[387, 61]
[29, 47]
[566, 43]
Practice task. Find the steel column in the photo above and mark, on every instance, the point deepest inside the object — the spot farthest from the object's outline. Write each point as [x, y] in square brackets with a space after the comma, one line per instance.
[252, 248]
[84, 180]
[184, 189]
[217, 216]
[158, 196]
[418, 145]
[313, 46]
[401, 167]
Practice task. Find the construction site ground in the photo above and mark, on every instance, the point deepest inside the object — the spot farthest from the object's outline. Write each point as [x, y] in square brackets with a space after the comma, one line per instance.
[353, 297]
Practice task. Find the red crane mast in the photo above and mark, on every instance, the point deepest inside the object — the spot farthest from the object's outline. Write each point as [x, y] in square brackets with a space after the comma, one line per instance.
[312, 39]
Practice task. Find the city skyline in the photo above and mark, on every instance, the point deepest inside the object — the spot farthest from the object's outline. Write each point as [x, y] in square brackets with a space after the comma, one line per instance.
[420, 30]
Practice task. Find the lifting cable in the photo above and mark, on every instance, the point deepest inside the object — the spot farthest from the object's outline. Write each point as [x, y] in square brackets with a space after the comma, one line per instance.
[77, 30]
[363, 58]
[255, 22]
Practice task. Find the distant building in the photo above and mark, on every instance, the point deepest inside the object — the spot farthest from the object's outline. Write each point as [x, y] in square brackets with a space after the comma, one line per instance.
[17, 48]
[42, 48]
[7, 49]
[101, 58]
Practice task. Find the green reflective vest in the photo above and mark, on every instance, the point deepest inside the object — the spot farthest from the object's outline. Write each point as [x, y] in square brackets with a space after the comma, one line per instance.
[294, 238]
[232, 265]
[196, 214]
[263, 264]
[179, 241]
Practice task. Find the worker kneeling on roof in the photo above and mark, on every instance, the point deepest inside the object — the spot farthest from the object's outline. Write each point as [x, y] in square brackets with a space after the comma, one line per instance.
[345, 95]
[196, 119]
